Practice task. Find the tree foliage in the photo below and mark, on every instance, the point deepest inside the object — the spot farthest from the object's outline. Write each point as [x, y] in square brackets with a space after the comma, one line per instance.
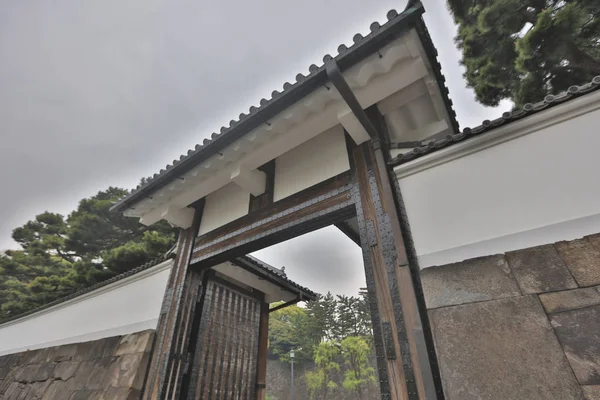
[290, 328]
[524, 49]
[329, 318]
[59, 255]
[320, 381]
[360, 374]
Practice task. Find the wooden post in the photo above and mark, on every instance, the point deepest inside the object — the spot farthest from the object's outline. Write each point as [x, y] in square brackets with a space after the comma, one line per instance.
[402, 359]
[263, 344]
[170, 358]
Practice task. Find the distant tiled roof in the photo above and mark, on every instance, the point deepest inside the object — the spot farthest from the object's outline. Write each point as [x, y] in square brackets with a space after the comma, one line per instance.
[347, 56]
[255, 264]
[507, 118]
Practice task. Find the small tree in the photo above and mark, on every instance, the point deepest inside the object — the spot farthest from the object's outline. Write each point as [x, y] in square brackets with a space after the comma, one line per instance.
[320, 380]
[360, 374]
[289, 329]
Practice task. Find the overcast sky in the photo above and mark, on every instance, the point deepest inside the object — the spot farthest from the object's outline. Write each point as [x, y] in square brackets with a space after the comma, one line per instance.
[103, 92]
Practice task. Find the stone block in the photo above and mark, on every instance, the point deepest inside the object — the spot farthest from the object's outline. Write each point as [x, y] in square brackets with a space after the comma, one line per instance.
[39, 388]
[45, 371]
[37, 356]
[96, 349]
[98, 377]
[83, 374]
[591, 392]
[594, 240]
[121, 394]
[65, 370]
[478, 279]
[578, 331]
[129, 370]
[139, 342]
[4, 360]
[540, 269]
[86, 395]
[13, 390]
[501, 350]
[29, 373]
[58, 390]
[582, 259]
[570, 299]
[64, 353]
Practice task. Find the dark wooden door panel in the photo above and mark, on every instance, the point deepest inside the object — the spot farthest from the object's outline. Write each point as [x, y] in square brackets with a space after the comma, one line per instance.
[224, 364]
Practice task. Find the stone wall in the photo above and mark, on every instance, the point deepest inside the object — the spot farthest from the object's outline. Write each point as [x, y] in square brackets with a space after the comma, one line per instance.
[520, 325]
[106, 369]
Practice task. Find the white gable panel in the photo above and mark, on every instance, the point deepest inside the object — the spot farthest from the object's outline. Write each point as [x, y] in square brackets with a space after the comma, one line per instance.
[314, 161]
[224, 205]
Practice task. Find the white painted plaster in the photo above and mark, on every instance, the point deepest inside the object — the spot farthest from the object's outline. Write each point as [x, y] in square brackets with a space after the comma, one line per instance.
[126, 306]
[129, 305]
[224, 205]
[537, 188]
[314, 161]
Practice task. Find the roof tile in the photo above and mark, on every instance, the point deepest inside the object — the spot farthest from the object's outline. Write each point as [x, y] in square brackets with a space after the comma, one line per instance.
[392, 15]
[549, 101]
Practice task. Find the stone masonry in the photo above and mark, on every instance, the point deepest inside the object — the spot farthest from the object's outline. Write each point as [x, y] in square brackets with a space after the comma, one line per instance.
[520, 325]
[106, 369]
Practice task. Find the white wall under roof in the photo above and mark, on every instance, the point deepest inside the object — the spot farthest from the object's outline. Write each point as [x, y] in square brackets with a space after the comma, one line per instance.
[129, 305]
[314, 161]
[531, 182]
[126, 306]
[222, 206]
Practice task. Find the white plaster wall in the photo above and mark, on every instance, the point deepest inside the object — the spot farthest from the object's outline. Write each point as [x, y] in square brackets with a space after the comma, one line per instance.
[535, 189]
[222, 206]
[126, 306]
[314, 161]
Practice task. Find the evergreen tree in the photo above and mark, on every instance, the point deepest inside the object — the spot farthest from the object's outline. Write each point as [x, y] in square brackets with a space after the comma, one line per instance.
[323, 317]
[524, 49]
[59, 255]
[352, 320]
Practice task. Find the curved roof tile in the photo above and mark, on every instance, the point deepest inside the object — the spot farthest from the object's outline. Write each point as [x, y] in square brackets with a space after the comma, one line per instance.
[396, 22]
[488, 125]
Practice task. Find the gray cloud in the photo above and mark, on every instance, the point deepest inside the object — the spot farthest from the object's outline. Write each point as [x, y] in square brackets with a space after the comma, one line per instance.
[101, 93]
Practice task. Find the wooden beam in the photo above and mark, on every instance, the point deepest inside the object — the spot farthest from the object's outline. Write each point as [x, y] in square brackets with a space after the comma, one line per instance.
[180, 217]
[353, 126]
[312, 215]
[263, 347]
[345, 228]
[310, 209]
[253, 181]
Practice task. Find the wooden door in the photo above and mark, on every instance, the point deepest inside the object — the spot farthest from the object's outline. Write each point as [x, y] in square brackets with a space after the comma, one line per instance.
[224, 364]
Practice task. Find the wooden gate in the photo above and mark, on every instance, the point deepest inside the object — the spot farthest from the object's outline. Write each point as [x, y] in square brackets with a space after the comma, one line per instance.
[225, 355]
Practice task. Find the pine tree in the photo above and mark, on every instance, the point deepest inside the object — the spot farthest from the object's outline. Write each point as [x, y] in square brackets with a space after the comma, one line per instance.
[524, 49]
[59, 255]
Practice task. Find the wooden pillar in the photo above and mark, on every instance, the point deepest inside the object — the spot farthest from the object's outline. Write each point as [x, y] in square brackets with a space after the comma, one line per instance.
[402, 359]
[263, 344]
[170, 359]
